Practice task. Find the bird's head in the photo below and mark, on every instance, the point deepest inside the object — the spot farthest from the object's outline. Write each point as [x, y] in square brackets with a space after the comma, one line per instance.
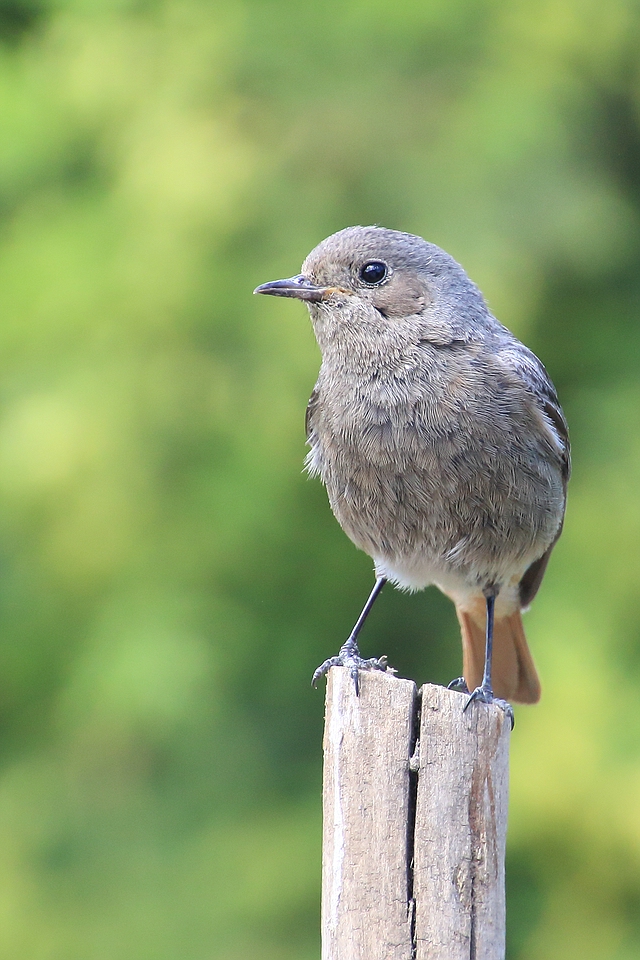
[382, 276]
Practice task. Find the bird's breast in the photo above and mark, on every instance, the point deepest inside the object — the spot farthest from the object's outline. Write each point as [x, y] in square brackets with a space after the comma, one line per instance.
[434, 472]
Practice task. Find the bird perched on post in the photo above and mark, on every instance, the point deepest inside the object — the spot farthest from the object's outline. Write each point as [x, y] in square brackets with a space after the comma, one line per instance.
[440, 440]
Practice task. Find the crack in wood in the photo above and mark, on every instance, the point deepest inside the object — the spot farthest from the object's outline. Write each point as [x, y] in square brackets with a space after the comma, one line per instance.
[473, 917]
[414, 766]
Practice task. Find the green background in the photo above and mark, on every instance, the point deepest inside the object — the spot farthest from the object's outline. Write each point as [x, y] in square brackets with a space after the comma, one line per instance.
[169, 579]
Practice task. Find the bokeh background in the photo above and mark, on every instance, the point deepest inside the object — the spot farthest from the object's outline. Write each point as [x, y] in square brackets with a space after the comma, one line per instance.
[169, 578]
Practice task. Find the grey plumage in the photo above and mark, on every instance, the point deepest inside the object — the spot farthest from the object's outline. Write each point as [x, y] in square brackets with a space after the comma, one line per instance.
[438, 435]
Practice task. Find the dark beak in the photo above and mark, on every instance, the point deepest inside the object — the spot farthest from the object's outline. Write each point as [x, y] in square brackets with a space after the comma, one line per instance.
[299, 287]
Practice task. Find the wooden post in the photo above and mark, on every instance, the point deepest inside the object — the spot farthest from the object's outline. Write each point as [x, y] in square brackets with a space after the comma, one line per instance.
[365, 868]
[413, 848]
[461, 829]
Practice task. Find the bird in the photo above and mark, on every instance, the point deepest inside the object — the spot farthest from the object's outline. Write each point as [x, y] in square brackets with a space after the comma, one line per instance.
[441, 443]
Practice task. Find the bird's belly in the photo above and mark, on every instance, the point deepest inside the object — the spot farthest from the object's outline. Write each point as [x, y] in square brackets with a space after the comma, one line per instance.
[431, 527]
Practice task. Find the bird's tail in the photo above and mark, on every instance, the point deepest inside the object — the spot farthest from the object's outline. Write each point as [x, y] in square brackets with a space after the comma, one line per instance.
[514, 674]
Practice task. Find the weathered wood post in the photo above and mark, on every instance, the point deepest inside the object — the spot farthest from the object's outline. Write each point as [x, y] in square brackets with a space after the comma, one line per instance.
[415, 816]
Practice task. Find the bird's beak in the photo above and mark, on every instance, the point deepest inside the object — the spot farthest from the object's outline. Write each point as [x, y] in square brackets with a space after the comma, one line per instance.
[300, 287]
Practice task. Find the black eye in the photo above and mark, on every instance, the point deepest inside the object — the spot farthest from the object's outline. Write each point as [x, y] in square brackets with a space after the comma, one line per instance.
[373, 272]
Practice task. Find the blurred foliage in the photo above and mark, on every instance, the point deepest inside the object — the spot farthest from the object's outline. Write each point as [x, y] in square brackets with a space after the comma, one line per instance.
[168, 578]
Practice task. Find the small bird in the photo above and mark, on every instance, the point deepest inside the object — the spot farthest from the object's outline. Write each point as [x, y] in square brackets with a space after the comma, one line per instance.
[440, 440]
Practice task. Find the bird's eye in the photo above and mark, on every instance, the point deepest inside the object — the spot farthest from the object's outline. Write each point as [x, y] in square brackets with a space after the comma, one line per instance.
[373, 272]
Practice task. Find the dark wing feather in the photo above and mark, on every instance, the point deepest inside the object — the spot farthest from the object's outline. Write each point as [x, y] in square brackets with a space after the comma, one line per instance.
[553, 411]
[308, 417]
[530, 583]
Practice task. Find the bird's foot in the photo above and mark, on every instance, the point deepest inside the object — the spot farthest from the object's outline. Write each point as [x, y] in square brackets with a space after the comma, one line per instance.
[349, 657]
[484, 694]
[459, 684]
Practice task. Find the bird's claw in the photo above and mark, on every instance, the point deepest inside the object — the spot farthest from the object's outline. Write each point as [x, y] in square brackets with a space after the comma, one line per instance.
[459, 684]
[349, 657]
[484, 694]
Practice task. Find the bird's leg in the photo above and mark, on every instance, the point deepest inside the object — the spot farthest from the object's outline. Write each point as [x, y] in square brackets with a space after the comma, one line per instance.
[349, 654]
[484, 693]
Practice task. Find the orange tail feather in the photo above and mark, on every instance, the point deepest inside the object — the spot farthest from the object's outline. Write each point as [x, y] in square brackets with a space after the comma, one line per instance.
[514, 675]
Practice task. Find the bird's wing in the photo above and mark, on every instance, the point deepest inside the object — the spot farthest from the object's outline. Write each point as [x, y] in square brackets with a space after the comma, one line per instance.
[532, 373]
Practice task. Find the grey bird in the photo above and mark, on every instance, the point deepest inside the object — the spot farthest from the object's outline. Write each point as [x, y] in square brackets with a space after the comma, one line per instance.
[440, 440]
